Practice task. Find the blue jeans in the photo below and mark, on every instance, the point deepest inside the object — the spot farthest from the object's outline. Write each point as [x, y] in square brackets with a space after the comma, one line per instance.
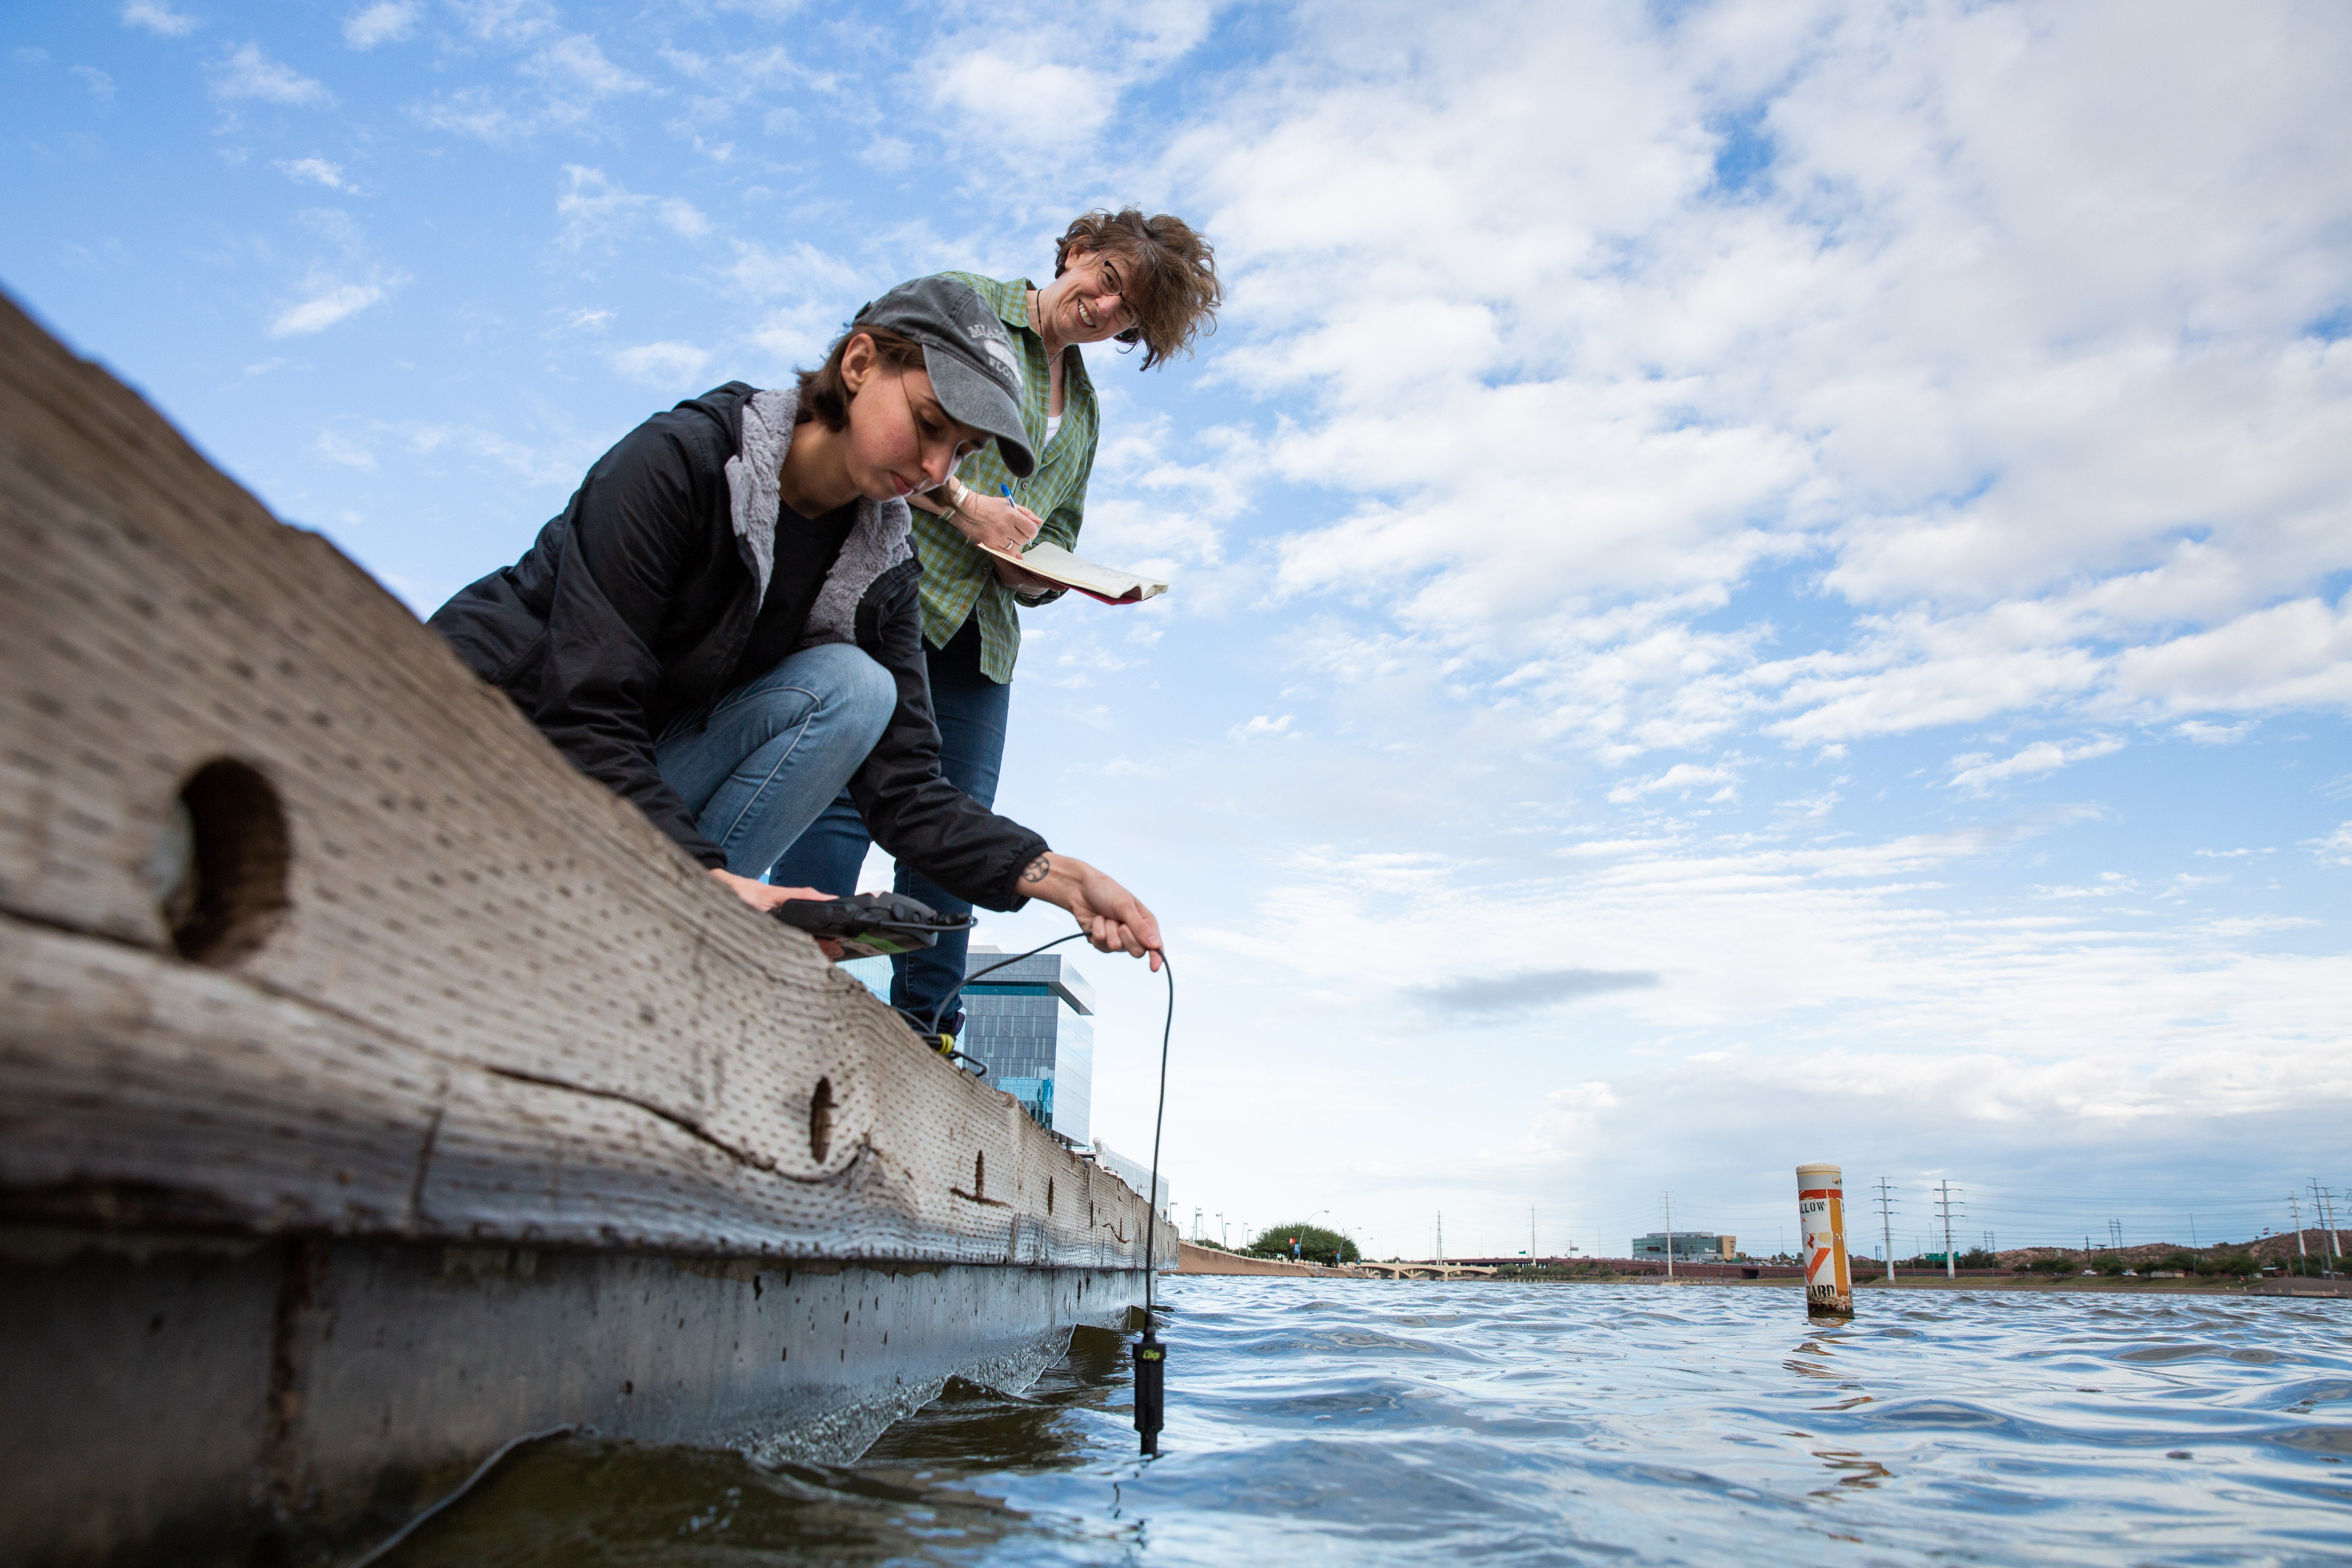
[971, 711]
[760, 762]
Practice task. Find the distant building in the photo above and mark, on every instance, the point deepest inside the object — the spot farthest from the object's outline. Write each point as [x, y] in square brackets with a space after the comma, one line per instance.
[1691, 1246]
[1028, 1023]
[1136, 1174]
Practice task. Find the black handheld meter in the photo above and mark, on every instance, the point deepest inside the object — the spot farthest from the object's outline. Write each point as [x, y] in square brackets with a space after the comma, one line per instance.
[871, 925]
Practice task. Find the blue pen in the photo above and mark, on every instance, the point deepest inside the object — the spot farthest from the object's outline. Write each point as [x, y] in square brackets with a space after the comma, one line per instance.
[1008, 495]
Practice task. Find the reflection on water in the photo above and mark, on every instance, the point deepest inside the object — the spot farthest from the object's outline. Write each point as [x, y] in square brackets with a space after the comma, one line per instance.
[1420, 1421]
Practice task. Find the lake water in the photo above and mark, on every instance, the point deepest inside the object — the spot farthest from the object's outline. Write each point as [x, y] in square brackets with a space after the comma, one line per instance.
[1416, 1423]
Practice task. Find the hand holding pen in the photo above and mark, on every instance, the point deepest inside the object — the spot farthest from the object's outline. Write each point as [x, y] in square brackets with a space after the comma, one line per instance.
[998, 525]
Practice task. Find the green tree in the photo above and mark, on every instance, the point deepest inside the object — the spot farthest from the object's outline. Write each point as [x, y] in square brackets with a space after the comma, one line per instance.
[1316, 1244]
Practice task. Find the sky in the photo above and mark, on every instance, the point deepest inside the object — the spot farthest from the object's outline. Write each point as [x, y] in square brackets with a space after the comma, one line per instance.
[1753, 583]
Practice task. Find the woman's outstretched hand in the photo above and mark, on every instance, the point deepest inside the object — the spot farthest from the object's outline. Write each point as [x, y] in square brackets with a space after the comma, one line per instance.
[1113, 920]
[765, 896]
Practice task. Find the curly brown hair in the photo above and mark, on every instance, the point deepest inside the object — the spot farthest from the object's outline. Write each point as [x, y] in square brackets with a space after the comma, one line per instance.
[1171, 268]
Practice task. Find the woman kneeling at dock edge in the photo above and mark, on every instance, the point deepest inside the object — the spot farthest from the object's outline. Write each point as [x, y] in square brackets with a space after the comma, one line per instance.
[722, 625]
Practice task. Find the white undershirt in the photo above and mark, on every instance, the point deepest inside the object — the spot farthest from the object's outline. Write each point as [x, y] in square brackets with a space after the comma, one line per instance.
[1053, 427]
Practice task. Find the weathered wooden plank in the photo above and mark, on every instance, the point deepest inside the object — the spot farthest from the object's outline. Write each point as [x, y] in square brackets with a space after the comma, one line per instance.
[497, 1002]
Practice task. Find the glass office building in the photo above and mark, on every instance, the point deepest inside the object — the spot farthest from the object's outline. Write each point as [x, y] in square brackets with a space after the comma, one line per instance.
[1028, 1022]
[1691, 1246]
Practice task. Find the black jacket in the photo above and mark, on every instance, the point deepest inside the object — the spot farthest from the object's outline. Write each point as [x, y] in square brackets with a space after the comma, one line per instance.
[640, 603]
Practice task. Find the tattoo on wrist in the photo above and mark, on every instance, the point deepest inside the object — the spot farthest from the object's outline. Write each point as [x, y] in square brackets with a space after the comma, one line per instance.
[1036, 870]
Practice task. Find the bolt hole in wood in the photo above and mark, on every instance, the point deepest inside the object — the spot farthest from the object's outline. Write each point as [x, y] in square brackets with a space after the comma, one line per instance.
[219, 868]
[821, 1120]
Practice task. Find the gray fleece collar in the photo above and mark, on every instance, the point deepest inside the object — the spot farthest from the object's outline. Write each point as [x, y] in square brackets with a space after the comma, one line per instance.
[880, 539]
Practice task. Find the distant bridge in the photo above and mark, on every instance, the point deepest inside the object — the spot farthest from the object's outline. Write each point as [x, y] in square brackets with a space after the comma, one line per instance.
[1425, 1269]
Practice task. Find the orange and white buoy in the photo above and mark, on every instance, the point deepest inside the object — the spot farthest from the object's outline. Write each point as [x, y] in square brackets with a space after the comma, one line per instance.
[1821, 1219]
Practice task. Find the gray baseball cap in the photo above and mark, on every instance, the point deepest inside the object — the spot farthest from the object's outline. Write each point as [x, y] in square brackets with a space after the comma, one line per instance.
[968, 354]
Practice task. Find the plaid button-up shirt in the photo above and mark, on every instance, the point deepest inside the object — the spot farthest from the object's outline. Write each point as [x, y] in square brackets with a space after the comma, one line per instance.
[959, 579]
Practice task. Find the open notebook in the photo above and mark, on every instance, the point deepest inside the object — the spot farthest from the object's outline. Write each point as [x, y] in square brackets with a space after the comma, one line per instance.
[1108, 584]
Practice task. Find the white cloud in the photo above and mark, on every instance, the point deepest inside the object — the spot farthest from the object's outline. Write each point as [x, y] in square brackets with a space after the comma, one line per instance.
[505, 21]
[101, 85]
[668, 365]
[247, 73]
[343, 451]
[1979, 771]
[594, 206]
[313, 170]
[2033, 453]
[326, 301]
[577, 79]
[157, 16]
[1261, 725]
[1057, 81]
[2296, 655]
[385, 22]
[570, 82]
[2335, 850]
[1683, 778]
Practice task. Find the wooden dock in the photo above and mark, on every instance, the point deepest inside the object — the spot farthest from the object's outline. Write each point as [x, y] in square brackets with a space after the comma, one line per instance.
[375, 1089]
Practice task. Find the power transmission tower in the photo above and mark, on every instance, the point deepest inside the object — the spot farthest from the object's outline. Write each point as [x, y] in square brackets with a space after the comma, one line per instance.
[1989, 1248]
[1441, 1245]
[2302, 1252]
[1944, 1205]
[2115, 1234]
[1886, 1202]
[1531, 1235]
[2324, 1203]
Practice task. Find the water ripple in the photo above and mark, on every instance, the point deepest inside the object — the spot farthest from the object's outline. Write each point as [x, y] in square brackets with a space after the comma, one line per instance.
[1420, 1421]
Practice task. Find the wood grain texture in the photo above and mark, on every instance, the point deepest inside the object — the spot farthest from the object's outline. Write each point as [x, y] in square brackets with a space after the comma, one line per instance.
[501, 1004]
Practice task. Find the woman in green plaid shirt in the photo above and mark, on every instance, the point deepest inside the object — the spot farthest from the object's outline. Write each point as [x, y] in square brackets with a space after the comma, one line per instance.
[1148, 280]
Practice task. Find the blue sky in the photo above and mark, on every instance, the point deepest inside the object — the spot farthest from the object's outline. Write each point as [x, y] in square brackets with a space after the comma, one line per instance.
[1753, 583]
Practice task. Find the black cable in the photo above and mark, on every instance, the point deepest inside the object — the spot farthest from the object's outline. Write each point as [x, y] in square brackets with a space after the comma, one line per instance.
[932, 1029]
[1151, 1356]
[1151, 1224]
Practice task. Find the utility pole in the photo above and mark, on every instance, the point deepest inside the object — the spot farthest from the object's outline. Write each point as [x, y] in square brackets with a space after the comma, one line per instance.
[1886, 1202]
[1443, 1272]
[1944, 1204]
[1531, 1235]
[1196, 1225]
[2302, 1252]
[1670, 1236]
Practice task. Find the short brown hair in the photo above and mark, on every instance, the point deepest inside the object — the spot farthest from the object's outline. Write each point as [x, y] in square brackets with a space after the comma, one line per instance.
[823, 396]
[1173, 269]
